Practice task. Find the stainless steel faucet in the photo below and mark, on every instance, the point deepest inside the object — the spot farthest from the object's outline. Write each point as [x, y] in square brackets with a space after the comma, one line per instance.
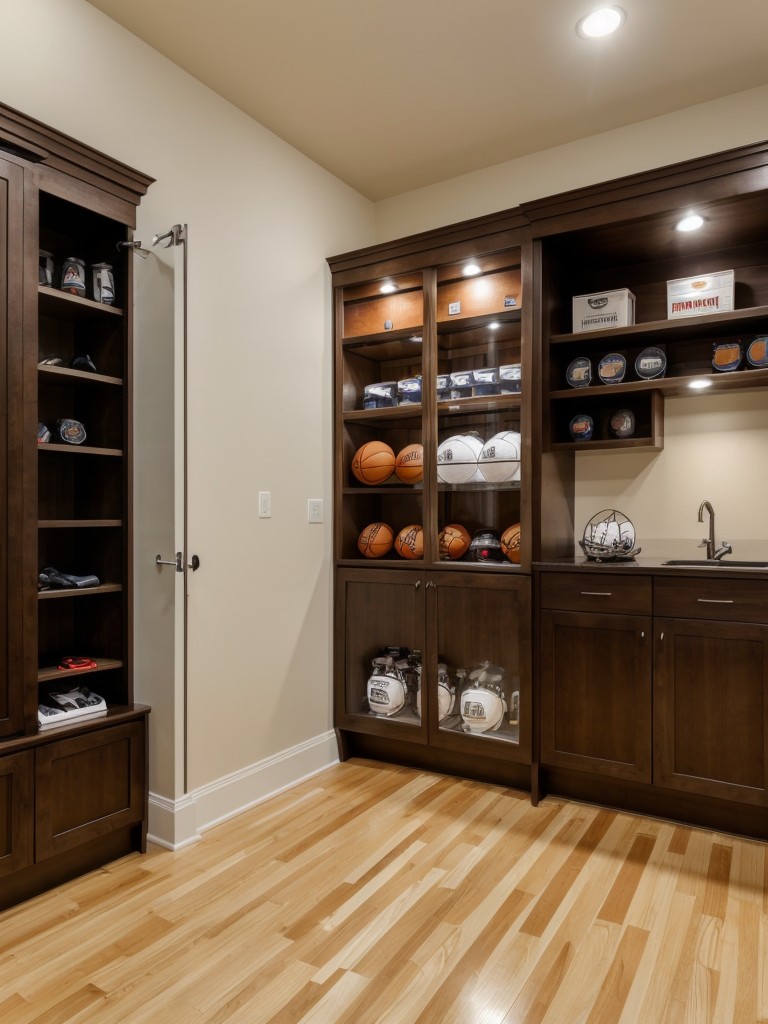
[713, 552]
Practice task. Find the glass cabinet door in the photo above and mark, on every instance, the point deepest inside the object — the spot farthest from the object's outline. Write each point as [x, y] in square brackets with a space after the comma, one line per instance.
[379, 451]
[380, 617]
[479, 673]
[480, 438]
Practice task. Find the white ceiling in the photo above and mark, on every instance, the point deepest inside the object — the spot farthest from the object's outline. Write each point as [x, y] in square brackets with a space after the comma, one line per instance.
[391, 95]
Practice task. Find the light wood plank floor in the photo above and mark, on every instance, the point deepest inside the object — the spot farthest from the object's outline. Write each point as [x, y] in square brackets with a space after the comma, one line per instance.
[377, 894]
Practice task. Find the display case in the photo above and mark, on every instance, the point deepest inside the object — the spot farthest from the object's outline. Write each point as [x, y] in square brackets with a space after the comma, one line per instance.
[433, 534]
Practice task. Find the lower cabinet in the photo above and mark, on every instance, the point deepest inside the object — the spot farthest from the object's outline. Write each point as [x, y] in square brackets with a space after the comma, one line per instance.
[16, 804]
[659, 680]
[458, 675]
[69, 803]
[88, 786]
[711, 688]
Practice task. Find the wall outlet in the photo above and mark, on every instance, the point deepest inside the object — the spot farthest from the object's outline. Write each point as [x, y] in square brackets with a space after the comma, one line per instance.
[265, 504]
[314, 510]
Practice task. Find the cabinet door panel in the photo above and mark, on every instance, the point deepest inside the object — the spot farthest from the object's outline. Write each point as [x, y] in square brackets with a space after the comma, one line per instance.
[596, 693]
[16, 836]
[88, 786]
[376, 609]
[710, 700]
[478, 621]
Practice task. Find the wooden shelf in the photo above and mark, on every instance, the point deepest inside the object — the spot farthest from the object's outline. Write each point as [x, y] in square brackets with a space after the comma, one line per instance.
[103, 588]
[736, 380]
[719, 324]
[65, 374]
[79, 449]
[78, 524]
[62, 304]
[50, 672]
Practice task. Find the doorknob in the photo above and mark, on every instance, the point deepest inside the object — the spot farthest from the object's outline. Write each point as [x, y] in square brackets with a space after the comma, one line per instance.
[194, 565]
[177, 563]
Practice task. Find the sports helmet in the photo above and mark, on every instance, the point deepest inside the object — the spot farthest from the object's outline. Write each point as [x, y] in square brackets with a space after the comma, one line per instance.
[483, 704]
[387, 687]
[446, 693]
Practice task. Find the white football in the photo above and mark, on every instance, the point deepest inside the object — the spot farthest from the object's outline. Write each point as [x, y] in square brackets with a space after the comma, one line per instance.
[500, 458]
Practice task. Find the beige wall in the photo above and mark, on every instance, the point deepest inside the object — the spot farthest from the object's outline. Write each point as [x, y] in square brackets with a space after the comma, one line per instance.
[262, 219]
[714, 444]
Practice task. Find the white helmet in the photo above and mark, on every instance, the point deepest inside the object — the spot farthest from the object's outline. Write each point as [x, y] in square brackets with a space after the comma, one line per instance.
[387, 689]
[446, 694]
[483, 704]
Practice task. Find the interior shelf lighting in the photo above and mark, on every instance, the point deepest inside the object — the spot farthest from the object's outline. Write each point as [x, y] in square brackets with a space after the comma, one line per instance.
[699, 385]
[690, 222]
[600, 22]
[470, 269]
[387, 288]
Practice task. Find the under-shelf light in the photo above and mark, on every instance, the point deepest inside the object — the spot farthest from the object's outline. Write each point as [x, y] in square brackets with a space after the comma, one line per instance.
[494, 325]
[601, 22]
[699, 385]
[470, 269]
[387, 288]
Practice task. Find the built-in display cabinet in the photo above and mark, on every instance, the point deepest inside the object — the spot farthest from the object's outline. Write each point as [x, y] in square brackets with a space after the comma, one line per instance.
[73, 785]
[599, 693]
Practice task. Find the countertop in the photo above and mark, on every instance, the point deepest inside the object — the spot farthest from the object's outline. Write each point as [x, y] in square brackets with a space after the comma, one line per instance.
[650, 566]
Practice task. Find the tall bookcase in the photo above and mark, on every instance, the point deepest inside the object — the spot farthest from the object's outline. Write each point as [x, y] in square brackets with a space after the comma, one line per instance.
[75, 794]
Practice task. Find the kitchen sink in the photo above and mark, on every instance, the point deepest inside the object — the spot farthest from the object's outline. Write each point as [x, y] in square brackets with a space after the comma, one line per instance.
[711, 563]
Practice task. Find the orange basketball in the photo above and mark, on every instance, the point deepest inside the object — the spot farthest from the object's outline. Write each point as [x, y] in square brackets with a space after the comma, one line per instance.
[409, 464]
[454, 541]
[376, 540]
[510, 543]
[410, 542]
[373, 462]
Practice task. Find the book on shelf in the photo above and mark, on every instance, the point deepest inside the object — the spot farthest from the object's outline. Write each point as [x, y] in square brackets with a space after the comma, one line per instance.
[70, 706]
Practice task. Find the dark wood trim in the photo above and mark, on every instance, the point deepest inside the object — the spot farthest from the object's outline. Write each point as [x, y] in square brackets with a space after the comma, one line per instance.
[37, 142]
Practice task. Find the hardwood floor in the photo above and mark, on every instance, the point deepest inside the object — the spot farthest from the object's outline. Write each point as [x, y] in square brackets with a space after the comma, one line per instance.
[380, 894]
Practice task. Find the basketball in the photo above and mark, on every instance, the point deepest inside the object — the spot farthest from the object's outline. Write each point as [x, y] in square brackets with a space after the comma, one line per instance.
[376, 540]
[454, 541]
[500, 457]
[457, 459]
[409, 464]
[373, 462]
[410, 542]
[510, 543]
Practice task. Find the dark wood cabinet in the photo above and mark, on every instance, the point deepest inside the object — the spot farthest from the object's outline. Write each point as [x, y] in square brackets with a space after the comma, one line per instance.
[73, 795]
[595, 674]
[432, 354]
[16, 812]
[711, 688]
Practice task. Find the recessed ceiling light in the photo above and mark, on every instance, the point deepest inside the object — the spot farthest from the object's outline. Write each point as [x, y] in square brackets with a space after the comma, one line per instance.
[690, 222]
[387, 288]
[470, 269]
[600, 22]
[699, 385]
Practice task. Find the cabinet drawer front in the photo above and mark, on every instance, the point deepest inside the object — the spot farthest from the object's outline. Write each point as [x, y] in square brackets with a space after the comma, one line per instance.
[731, 600]
[88, 786]
[597, 592]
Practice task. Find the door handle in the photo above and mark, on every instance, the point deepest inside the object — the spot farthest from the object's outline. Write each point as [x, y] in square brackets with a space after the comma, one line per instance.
[177, 563]
[194, 565]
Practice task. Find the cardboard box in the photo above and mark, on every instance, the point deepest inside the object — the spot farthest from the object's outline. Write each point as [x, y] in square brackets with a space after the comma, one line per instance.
[697, 296]
[602, 310]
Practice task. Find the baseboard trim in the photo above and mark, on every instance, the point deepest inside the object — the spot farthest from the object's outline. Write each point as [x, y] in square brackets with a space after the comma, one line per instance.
[174, 824]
